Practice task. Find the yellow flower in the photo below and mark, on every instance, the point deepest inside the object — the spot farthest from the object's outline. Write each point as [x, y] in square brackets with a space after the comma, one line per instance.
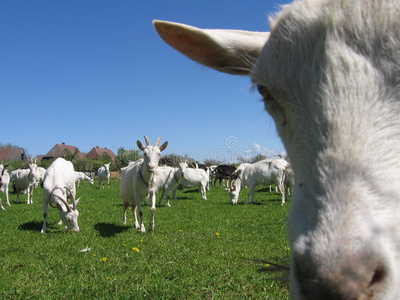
[136, 249]
[104, 259]
[267, 265]
[124, 245]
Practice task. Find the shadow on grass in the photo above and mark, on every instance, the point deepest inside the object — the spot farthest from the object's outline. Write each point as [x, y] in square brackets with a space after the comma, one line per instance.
[31, 226]
[109, 229]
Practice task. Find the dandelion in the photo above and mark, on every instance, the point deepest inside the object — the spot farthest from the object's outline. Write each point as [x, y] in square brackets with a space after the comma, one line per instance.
[104, 259]
[141, 241]
[267, 265]
[136, 249]
[288, 249]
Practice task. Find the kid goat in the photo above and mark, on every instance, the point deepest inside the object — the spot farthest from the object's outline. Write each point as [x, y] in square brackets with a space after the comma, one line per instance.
[58, 186]
[329, 74]
[137, 181]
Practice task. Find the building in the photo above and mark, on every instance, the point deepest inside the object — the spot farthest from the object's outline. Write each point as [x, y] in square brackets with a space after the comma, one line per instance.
[12, 154]
[97, 152]
[62, 150]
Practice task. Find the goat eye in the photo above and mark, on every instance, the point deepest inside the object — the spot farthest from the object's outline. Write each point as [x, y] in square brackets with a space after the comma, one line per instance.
[263, 91]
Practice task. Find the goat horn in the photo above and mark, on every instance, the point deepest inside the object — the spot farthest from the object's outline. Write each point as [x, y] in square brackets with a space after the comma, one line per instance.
[73, 198]
[147, 141]
[158, 140]
[63, 201]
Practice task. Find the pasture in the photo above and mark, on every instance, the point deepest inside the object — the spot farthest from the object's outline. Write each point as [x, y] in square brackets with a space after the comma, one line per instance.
[199, 250]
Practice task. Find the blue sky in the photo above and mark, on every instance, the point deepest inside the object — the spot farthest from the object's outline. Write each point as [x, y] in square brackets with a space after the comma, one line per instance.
[95, 73]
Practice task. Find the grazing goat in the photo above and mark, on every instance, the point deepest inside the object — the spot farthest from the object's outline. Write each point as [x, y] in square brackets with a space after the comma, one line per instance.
[82, 176]
[263, 172]
[137, 181]
[104, 174]
[329, 75]
[195, 177]
[24, 180]
[4, 183]
[58, 187]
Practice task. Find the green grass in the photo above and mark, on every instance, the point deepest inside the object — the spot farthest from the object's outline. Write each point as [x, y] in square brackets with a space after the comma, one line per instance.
[199, 250]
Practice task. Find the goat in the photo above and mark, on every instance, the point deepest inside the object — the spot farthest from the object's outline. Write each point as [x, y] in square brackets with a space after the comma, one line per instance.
[263, 172]
[58, 187]
[137, 180]
[24, 180]
[328, 73]
[166, 179]
[195, 177]
[104, 174]
[224, 172]
[4, 183]
[82, 176]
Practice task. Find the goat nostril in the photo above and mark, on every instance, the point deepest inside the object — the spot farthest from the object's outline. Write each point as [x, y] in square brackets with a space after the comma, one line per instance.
[378, 277]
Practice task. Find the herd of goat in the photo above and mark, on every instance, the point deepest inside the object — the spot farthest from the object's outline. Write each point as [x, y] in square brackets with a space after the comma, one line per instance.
[140, 180]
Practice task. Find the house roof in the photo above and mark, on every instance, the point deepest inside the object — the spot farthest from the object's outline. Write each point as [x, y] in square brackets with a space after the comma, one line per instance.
[97, 151]
[12, 154]
[59, 150]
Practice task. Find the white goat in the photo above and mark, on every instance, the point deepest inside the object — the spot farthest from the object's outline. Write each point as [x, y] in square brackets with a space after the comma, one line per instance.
[82, 176]
[4, 183]
[137, 180]
[39, 176]
[264, 172]
[58, 187]
[195, 177]
[104, 174]
[329, 76]
[24, 180]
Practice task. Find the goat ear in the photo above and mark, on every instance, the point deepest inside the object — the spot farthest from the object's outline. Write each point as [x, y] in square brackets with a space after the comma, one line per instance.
[228, 51]
[140, 145]
[77, 201]
[163, 146]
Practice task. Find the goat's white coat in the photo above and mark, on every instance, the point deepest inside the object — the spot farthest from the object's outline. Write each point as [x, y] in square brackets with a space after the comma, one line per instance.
[59, 181]
[264, 172]
[5, 181]
[329, 73]
[196, 177]
[24, 180]
[80, 176]
[166, 179]
[137, 180]
[104, 175]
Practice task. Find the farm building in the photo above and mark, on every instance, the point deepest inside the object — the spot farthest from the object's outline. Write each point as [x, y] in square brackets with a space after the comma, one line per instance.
[12, 154]
[96, 152]
[62, 150]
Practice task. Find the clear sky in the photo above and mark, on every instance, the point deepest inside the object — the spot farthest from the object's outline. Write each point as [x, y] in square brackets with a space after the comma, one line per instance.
[95, 73]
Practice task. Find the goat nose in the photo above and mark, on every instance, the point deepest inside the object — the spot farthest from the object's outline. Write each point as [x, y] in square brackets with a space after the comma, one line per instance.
[352, 277]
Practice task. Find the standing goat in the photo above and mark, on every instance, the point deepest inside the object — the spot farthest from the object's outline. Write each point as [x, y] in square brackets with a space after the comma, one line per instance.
[24, 180]
[104, 174]
[195, 177]
[4, 183]
[137, 181]
[58, 187]
[263, 172]
[329, 74]
[166, 179]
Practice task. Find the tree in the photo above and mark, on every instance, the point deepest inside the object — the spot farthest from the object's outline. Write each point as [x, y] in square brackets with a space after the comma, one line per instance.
[125, 156]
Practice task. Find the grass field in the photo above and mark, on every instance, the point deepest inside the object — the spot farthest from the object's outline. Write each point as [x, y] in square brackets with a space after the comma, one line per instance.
[199, 250]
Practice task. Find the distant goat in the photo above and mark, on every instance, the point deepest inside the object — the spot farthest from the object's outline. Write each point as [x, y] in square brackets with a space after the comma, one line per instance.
[137, 180]
[329, 76]
[104, 174]
[196, 178]
[264, 172]
[166, 179]
[224, 172]
[82, 176]
[4, 183]
[24, 180]
[58, 187]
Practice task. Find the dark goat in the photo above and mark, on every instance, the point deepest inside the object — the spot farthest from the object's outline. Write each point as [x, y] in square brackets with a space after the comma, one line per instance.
[224, 172]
